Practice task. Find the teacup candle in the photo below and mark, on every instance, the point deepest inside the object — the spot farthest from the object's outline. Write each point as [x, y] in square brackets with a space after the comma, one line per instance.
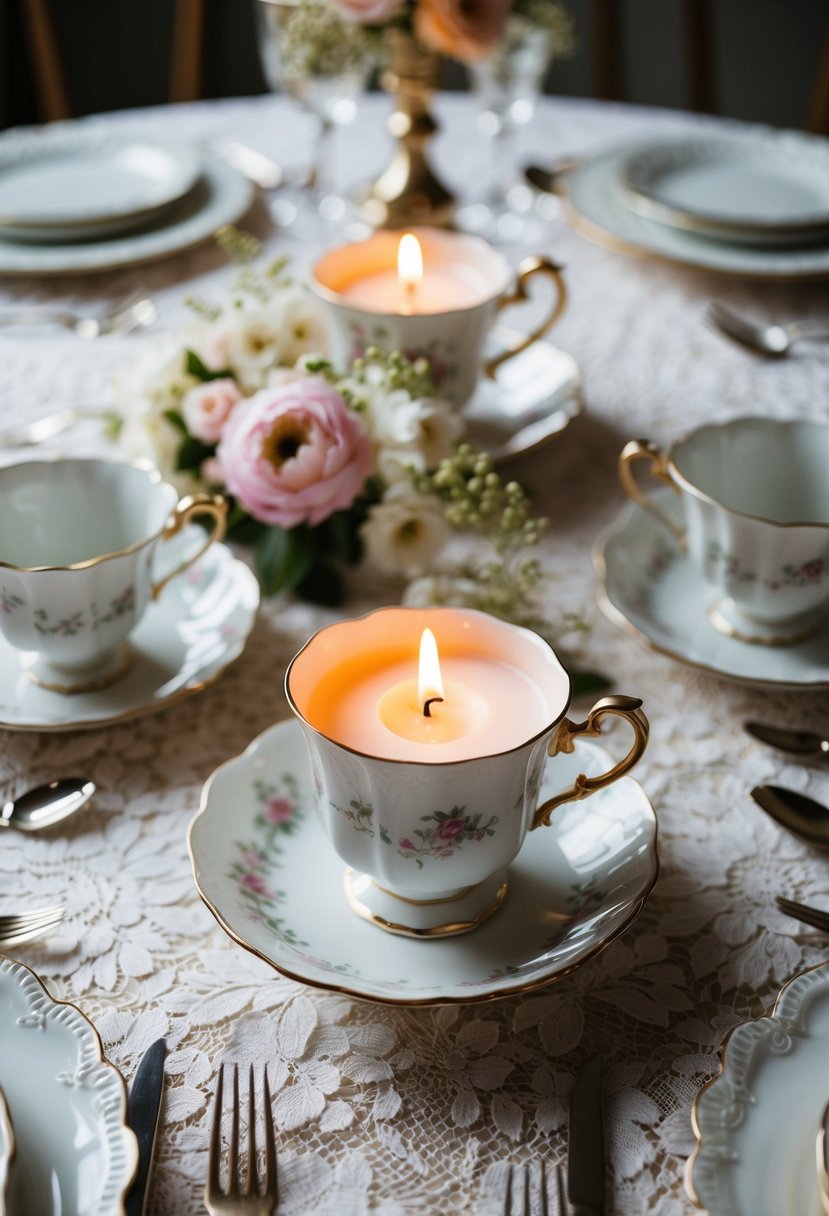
[428, 731]
[429, 293]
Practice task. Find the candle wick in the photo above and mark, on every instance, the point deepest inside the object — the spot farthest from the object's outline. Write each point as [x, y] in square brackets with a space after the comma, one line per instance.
[427, 712]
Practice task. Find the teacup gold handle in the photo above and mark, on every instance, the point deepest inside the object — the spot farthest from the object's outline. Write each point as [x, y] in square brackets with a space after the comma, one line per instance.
[643, 449]
[190, 508]
[526, 271]
[563, 739]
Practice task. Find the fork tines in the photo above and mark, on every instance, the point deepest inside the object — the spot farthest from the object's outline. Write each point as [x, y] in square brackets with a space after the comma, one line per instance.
[254, 1198]
[522, 1195]
[19, 927]
[815, 917]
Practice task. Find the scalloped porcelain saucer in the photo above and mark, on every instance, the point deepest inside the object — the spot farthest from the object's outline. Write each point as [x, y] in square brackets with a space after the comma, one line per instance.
[264, 866]
[74, 1152]
[653, 591]
[756, 1123]
[184, 641]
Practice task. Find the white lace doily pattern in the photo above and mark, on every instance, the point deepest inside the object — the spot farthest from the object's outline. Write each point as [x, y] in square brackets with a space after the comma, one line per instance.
[384, 1109]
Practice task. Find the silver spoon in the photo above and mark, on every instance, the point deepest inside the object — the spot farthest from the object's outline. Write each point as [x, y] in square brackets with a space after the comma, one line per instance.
[47, 805]
[801, 744]
[797, 813]
[774, 340]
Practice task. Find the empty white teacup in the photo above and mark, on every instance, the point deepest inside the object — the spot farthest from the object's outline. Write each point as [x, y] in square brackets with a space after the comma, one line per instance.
[78, 546]
[755, 499]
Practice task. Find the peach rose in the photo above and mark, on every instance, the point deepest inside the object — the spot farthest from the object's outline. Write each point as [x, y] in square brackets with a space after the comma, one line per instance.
[207, 407]
[465, 29]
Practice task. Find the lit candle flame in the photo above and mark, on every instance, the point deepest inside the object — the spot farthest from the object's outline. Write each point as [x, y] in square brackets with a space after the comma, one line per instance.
[430, 681]
[409, 267]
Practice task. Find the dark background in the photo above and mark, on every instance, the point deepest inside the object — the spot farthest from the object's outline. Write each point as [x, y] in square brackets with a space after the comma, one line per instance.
[750, 59]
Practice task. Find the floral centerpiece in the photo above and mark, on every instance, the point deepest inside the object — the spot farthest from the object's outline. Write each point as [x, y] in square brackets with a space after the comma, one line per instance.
[324, 466]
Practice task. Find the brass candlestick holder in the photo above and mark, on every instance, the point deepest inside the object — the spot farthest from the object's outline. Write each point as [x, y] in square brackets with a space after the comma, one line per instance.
[408, 192]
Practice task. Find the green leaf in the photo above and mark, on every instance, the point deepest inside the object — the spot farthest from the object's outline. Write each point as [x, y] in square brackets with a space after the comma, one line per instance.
[243, 527]
[341, 537]
[283, 557]
[195, 367]
[322, 585]
[193, 453]
[587, 682]
[175, 419]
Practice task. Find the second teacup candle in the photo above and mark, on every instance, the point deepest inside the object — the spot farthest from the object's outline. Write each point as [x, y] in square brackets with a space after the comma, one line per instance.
[428, 752]
[430, 293]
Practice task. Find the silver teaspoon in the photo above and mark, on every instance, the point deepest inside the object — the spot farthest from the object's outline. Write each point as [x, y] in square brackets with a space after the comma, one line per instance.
[802, 816]
[47, 805]
[804, 744]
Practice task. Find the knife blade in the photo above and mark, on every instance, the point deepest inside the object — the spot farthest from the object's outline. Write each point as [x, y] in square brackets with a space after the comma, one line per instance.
[585, 1152]
[143, 1109]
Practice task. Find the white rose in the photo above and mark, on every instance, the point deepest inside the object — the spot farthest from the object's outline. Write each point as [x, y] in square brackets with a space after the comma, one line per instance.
[304, 327]
[405, 531]
[422, 432]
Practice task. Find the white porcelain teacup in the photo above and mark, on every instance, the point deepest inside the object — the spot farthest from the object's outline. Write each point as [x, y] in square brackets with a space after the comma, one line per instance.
[429, 827]
[471, 284]
[78, 548]
[755, 501]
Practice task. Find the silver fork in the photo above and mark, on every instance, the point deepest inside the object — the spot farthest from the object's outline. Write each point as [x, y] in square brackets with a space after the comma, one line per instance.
[30, 434]
[19, 927]
[253, 1201]
[768, 339]
[526, 1193]
[134, 311]
[815, 917]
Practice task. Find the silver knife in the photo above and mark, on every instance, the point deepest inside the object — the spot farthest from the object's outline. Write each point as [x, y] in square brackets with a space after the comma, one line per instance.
[585, 1153]
[143, 1109]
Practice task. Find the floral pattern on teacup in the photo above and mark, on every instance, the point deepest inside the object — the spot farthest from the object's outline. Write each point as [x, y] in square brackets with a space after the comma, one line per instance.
[76, 622]
[361, 815]
[449, 831]
[807, 574]
[280, 812]
[661, 557]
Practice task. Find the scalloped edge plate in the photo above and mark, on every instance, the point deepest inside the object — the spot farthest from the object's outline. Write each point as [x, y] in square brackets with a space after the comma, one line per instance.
[74, 1149]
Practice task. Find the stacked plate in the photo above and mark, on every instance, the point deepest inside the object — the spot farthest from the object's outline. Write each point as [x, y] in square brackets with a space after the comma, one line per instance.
[753, 203]
[74, 199]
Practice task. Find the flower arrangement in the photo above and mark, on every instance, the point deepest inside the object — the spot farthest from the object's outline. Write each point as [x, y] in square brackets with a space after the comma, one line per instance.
[324, 34]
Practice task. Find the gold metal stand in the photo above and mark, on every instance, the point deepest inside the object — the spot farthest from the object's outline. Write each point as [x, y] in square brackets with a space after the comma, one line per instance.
[408, 192]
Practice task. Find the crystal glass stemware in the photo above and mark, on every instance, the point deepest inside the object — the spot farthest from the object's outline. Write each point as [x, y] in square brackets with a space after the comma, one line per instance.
[508, 82]
[308, 52]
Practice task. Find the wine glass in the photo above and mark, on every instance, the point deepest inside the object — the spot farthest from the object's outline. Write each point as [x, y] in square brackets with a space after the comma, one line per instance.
[508, 82]
[310, 53]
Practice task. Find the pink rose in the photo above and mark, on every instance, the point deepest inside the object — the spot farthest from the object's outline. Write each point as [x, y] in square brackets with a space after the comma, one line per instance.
[369, 12]
[207, 407]
[405, 843]
[295, 453]
[465, 29]
[256, 884]
[450, 829]
[278, 810]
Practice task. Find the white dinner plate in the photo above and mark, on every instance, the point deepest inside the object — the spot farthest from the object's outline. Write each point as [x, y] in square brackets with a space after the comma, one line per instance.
[220, 196]
[651, 588]
[70, 185]
[264, 865]
[595, 200]
[74, 1153]
[6, 1151]
[757, 1122]
[759, 188]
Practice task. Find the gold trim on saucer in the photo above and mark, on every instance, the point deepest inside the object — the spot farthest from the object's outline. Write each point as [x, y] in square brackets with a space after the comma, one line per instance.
[448, 929]
[416, 1002]
[93, 685]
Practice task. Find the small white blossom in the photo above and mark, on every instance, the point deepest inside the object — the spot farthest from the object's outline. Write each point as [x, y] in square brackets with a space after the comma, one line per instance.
[405, 531]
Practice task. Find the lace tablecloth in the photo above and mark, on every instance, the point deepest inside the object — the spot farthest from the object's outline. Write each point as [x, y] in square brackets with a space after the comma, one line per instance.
[414, 1110]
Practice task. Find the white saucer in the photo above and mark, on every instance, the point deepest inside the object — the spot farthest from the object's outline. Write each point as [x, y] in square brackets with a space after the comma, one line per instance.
[756, 1123]
[275, 885]
[654, 592]
[184, 642]
[531, 400]
[74, 1152]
